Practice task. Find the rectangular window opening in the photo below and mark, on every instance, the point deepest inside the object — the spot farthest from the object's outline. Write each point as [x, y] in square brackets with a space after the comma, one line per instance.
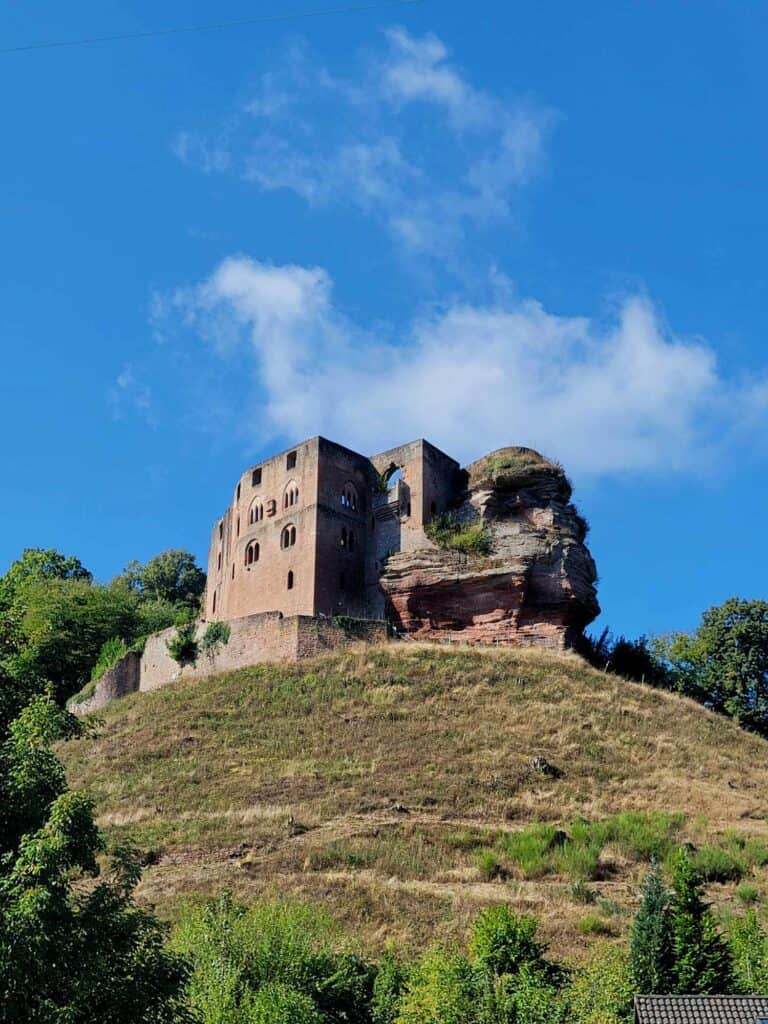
[290, 462]
[256, 477]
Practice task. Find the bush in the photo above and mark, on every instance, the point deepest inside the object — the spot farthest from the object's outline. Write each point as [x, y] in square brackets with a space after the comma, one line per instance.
[111, 652]
[716, 864]
[183, 646]
[633, 659]
[748, 894]
[216, 635]
[593, 924]
[283, 959]
[503, 942]
[450, 532]
[278, 1004]
[530, 848]
[388, 986]
[602, 991]
[489, 866]
[579, 861]
[442, 989]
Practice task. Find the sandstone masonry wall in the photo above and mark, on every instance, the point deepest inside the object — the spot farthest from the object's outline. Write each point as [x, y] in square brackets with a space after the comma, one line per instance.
[116, 682]
[254, 640]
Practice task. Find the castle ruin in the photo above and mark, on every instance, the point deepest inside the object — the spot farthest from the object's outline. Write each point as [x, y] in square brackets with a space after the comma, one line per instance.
[322, 546]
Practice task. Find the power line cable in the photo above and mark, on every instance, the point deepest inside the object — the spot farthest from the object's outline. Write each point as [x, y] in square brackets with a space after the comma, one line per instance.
[214, 26]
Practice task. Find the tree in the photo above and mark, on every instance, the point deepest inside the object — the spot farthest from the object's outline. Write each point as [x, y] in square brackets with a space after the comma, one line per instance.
[650, 939]
[724, 663]
[503, 942]
[172, 576]
[602, 990]
[73, 946]
[39, 564]
[749, 950]
[64, 627]
[633, 659]
[702, 961]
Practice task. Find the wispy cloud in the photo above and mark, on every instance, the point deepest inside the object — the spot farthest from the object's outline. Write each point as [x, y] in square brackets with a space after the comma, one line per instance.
[624, 395]
[408, 140]
[130, 394]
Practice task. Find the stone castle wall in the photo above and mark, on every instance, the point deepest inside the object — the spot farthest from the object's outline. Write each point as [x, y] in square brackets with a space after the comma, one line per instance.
[254, 639]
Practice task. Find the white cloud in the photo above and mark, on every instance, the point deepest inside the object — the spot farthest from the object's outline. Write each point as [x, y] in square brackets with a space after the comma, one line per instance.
[130, 393]
[407, 140]
[625, 395]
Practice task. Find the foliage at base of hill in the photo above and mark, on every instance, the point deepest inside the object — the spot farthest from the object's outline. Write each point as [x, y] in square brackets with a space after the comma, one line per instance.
[74, 947]
[285, 961]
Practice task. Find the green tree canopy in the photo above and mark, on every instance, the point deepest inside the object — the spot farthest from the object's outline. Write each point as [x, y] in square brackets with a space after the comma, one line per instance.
[73, 947]
[171, 576]
[724, 663]
[64, 625]
[39, 564]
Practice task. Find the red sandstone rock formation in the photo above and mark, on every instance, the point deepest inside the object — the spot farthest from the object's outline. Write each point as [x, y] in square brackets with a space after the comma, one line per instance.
[535, 586]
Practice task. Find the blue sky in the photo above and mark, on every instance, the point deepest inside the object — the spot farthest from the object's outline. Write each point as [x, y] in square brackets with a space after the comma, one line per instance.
[484, 224]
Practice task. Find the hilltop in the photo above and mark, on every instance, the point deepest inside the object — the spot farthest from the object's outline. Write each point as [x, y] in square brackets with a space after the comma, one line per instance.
[405, 786]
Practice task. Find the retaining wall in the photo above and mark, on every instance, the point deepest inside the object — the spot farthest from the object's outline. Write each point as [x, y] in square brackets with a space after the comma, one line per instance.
[254, 640]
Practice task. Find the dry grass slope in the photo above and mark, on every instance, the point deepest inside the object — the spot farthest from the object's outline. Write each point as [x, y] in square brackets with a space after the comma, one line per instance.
[392, 782]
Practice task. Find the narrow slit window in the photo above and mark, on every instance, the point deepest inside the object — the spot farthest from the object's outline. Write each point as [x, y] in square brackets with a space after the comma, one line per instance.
[290, 579]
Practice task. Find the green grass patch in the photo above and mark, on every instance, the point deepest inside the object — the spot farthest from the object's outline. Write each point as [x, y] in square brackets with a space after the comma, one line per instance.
[450, 532]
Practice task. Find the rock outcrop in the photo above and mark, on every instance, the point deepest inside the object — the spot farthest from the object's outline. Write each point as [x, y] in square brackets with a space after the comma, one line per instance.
[525, 576]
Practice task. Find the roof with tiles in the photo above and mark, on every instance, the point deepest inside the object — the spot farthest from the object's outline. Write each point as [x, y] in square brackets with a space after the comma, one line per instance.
[701, 1009]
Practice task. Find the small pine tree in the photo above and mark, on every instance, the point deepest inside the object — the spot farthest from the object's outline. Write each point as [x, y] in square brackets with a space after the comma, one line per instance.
[702, 960]
[650, 940]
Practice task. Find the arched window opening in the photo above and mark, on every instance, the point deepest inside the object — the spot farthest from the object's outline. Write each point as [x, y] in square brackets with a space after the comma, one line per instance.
[343, 538]
[288, 537]
[351, 541]
[349, 497]
[252, 553]
[291, 494]
[395, 476]
[237, 496]
[290, 579]
[256, 513]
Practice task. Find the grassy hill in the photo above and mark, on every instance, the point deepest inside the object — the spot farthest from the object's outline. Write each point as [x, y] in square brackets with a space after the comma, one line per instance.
[407, 786]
